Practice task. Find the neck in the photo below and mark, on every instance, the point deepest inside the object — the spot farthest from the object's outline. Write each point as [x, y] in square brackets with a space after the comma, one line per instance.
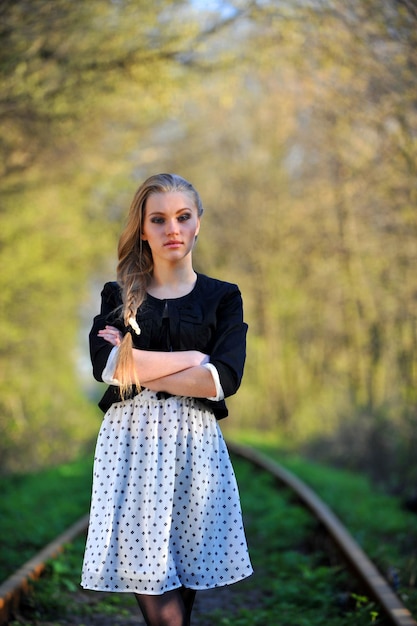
[172, 282]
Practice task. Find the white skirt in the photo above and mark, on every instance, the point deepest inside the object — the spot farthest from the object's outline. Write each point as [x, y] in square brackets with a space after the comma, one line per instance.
[165, 509]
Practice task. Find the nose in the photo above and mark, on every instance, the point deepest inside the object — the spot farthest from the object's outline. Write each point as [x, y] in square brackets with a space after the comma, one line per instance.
[171, 226]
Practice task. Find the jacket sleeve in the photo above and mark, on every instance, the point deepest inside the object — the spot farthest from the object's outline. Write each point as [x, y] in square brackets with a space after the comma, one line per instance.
[229, 350]
[109, 314]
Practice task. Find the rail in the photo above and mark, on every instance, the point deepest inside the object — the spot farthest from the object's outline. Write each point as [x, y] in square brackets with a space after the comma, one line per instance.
[12, 589]
[377, 586]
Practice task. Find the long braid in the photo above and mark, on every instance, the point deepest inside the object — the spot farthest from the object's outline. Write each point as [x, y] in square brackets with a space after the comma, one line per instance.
[133, 273]
[125, 370]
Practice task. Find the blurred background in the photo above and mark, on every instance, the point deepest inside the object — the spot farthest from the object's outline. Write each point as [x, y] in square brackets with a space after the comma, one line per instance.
[297, 122]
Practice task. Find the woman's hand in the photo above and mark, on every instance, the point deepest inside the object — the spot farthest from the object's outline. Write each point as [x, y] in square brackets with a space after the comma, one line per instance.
[115, 337]
[111, 334]
[151, 365]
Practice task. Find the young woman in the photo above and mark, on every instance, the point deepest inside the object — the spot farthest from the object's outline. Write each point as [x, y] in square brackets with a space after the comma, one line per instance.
[165, 515]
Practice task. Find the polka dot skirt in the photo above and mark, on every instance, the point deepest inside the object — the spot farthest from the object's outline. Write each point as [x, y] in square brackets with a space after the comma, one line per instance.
[165, 509]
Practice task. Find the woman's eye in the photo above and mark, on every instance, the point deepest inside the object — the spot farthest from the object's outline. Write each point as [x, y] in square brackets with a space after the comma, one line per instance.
[184, 217]
[157, 220]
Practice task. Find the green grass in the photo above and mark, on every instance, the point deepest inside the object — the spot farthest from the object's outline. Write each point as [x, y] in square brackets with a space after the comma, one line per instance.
[35, 508]
[377, 521]
[53, 595]
[301, 585]
[294, 583]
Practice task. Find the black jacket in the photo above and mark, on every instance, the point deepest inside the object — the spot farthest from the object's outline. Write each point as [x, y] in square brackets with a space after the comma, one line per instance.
[209, 319]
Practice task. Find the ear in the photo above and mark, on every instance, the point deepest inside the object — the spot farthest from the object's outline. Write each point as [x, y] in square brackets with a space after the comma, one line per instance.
[198, 226]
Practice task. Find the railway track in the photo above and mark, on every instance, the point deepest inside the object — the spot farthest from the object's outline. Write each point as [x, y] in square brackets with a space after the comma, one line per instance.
[376, 585]
[12, 590]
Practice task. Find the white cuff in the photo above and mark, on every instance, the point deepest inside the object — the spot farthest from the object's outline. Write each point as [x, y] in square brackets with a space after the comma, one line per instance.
[216, 379]
[108, 372]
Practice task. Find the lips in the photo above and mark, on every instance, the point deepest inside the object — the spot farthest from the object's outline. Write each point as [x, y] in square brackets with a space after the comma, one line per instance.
[173, 244]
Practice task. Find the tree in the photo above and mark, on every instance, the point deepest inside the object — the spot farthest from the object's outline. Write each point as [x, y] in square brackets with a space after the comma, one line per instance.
[309, 176]
[82, 83]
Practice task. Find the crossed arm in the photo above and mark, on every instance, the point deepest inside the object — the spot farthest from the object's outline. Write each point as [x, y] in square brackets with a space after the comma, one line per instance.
[180, 373]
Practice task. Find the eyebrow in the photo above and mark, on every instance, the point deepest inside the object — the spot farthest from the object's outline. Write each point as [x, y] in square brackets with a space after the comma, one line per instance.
[186, 208]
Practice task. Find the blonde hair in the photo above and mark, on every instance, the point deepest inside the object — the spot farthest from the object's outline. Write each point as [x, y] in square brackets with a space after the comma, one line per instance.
[135, 266]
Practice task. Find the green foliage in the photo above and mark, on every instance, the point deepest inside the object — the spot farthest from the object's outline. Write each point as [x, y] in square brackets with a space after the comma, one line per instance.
[296, 122]
[81, 83]
[313, 156]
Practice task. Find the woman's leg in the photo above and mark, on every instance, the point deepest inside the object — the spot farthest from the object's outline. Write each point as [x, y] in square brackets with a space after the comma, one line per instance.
[172, 608]
[188, 597]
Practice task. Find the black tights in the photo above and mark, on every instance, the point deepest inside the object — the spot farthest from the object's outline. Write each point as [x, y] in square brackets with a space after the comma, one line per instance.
[172, 608]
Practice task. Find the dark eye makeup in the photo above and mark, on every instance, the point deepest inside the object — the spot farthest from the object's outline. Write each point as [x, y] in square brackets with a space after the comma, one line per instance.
[159, 219]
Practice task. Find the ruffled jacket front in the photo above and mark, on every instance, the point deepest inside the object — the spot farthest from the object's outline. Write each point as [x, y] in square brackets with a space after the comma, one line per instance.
[209, 319]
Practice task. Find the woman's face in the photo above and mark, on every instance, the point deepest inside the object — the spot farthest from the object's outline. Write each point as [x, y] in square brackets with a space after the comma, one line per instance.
[170, 225]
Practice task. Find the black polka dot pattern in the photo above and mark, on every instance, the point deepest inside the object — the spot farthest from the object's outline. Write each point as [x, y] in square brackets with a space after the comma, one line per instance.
[165, 509]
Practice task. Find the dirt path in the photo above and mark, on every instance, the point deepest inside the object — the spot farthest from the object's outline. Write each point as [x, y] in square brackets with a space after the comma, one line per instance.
[89, 611]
